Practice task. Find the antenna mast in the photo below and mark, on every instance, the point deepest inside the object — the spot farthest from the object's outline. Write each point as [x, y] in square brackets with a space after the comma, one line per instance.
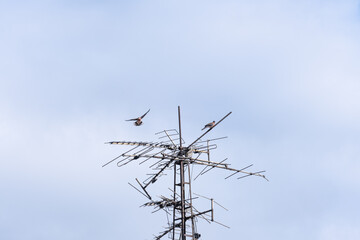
[179, 158]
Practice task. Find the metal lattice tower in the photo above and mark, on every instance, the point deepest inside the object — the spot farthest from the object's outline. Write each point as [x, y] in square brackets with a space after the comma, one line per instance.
[171, 154]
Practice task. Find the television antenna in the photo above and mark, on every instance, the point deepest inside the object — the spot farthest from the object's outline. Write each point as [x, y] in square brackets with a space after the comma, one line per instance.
[171, 153]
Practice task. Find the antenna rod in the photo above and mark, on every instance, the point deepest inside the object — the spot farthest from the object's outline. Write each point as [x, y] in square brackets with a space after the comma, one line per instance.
[209, 130]
[182, 187]
[212, 210]
[180, 128]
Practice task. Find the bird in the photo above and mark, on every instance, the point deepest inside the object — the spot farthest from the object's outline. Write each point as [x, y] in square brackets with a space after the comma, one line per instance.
[138, 121]
[209, 125]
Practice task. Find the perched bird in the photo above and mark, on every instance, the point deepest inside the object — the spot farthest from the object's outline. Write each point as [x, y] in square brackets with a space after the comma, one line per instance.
[138, 121]
[209, 125]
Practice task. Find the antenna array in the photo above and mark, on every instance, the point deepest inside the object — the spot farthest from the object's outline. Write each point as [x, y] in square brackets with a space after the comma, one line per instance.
[170, 153]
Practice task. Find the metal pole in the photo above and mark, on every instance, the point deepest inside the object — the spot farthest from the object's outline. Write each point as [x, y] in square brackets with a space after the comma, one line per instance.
[180, 128]
[182, 186]
[212, 210]
[191, 207]
[173, 238]
[183, 214]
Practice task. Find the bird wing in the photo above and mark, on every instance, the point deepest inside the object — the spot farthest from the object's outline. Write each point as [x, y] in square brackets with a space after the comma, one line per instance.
[133, 119]
[208, 125]
[145, 114]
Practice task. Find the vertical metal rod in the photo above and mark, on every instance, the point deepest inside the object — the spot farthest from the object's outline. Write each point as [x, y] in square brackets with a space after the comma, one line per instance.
[183, 214]
[208, 150]
[180, 127]
[212, 210]
[191, 207]
[182, 186]
[173, 238]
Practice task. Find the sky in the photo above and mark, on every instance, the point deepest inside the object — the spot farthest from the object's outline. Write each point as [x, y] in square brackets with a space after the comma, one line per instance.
[71, 72]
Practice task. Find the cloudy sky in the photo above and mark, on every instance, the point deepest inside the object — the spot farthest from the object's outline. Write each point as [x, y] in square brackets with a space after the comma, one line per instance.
[71, 72]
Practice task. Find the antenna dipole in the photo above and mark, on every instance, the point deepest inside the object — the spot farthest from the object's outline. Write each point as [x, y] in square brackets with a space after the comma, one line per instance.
[180, 159]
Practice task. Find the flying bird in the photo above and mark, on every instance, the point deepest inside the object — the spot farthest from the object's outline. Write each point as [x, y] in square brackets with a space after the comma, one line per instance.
[209, 125]
[138, 121]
